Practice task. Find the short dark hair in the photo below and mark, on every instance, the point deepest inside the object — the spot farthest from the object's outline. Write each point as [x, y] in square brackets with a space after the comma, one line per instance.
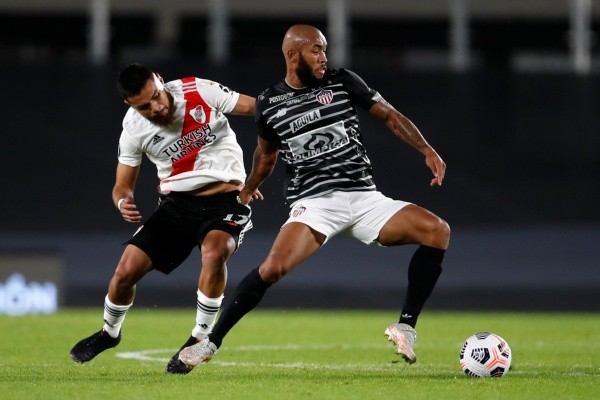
[132, 79]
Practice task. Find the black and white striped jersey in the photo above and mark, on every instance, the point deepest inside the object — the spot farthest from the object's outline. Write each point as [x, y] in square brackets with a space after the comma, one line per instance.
[319, 134]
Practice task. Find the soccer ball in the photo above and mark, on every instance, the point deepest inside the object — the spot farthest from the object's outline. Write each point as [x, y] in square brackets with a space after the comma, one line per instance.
[485, 355]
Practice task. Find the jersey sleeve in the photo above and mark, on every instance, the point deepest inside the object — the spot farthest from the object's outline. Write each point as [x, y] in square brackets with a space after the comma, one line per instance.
[360, 93]
[265, 130]
[129, 153]
[216, 95]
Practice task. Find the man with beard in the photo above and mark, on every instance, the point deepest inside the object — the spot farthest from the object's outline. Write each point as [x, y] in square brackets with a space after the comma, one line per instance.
[181, 127]
[310, 118]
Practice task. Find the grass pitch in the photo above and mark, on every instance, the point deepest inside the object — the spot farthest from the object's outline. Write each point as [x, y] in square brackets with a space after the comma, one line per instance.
[285, 354]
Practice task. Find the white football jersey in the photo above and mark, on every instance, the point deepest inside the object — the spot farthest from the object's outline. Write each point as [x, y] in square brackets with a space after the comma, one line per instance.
[198, 148]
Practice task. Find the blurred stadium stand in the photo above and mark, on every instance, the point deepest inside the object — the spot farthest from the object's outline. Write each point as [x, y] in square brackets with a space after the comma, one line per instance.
[501, 88]
[530, 34]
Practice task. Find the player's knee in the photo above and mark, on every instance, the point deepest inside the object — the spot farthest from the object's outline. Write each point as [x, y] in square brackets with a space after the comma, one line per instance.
[215, 256]
[272, 272]
[216, 252]
[440, 233]
[123, 276]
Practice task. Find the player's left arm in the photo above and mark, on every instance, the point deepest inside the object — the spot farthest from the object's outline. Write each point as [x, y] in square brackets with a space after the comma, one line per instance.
[224, 99]
[403, 128]
[244, 105]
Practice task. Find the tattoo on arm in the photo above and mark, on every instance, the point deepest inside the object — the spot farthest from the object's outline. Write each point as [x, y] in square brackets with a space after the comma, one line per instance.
[401, 126]
[263, 164]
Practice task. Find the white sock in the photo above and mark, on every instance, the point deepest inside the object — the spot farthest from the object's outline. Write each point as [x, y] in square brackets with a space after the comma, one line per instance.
[206, 314]
[114, 315]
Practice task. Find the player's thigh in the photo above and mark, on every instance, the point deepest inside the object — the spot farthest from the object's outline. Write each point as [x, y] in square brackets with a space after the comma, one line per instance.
[413, 224]
[295, 243]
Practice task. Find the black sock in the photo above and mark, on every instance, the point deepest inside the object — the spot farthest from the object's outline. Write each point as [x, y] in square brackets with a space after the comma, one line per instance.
[423, 272]
[247, 295]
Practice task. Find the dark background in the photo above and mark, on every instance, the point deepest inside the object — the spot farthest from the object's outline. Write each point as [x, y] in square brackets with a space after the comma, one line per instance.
[522, 148]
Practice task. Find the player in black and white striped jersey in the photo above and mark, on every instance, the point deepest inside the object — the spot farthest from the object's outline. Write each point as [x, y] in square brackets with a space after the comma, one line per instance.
[310, 118]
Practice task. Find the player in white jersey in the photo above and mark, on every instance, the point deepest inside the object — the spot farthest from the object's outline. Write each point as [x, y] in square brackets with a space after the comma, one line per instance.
[310, 117]
[181, 127]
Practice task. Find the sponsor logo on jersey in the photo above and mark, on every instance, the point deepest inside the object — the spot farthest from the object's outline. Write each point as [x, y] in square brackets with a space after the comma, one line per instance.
[299, 99]
[198, 114]
[324, 96]
[319, 141]
[281, 97]
[281, 112]
[157, 139]
[304, 120]
[191, 141]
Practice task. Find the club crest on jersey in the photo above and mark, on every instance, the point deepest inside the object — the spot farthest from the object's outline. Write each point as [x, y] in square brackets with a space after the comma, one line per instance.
[324, 96]
[297, 211]
[198, 114]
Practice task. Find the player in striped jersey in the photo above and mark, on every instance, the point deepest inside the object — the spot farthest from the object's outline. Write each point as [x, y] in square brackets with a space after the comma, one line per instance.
[310, 118]
[181, 127]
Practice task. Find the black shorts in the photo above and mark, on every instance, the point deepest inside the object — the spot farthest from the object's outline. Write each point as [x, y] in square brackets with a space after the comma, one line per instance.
[181, 222]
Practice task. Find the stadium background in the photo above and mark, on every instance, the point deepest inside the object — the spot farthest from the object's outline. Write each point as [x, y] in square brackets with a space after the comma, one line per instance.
[518, 128]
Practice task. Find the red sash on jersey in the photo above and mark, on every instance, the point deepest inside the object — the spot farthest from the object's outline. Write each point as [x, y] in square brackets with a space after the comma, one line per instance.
[197, 115]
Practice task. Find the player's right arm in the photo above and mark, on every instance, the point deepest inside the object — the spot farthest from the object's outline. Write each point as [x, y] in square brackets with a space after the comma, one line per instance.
[122, 193]
[263, 163]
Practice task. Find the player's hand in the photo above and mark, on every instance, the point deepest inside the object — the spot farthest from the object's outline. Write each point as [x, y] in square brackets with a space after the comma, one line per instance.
[436, 165]
[246, 195]
[129, 211]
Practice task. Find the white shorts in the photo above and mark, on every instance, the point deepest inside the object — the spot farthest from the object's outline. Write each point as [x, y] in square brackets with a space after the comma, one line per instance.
[360, 215]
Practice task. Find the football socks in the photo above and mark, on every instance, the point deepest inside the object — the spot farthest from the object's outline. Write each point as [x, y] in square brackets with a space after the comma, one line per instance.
[206, 313]
[114, 315]
[423, 272]
[246, 296]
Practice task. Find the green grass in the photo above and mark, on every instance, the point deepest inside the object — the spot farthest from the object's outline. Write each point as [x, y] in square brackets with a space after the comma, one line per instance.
[300, 355]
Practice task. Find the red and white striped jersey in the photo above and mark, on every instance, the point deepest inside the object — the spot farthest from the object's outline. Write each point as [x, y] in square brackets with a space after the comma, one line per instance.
[198, 148]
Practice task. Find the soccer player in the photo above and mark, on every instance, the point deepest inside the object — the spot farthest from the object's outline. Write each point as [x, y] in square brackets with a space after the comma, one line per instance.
[181, 127]
[310, 117]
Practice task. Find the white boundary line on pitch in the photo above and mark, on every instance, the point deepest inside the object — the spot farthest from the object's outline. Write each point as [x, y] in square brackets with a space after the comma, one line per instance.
[150, 355]
[147, 355]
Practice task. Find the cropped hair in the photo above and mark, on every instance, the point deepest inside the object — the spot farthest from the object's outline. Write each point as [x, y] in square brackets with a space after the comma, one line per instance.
[132, 78]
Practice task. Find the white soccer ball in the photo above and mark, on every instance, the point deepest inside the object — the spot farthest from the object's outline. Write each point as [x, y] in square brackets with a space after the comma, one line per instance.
[485, 355]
